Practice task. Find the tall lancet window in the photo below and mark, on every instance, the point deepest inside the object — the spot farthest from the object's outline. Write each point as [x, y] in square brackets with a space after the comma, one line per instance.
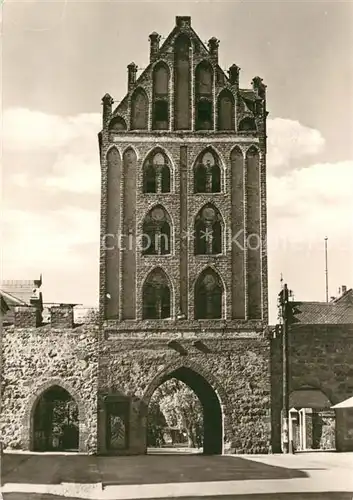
[207, 174]
[182, 83]
[139, 110]
[226, 117]
[208, 231]
[208, 295]
[156, 296]
[204, 96]
[160, 115]
[156, 173]
[156, 238]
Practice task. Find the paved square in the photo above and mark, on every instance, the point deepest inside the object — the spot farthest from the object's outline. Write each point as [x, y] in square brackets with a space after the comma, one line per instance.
[284, 477]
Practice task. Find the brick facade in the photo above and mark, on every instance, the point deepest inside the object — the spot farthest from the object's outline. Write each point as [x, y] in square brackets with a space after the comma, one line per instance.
[142, 348]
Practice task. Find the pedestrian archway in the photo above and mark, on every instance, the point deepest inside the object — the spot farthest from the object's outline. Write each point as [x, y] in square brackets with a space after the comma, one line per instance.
[56, 421]
[204, 403]
[313, 422]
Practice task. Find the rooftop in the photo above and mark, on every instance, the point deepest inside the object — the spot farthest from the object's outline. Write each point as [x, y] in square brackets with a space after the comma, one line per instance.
[19, 291]
[338, 311]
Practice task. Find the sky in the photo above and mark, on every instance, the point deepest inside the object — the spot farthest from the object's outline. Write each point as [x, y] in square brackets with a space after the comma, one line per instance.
[60, 58]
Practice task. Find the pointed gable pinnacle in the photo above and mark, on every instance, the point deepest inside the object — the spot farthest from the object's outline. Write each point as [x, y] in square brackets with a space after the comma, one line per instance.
[183, 21]
[132, 70]
[107, 102]
[259, 87]
[233, 73]
[154, 45]
[213, 45]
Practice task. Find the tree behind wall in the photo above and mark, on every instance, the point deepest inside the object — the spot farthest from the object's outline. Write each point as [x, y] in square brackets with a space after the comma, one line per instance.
[181, 410]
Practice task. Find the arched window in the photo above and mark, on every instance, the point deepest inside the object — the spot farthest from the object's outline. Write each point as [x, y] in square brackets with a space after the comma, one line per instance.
[117, 124]
[160, 116]
[207, 174]
[204, 79]
[208, 231]
[247, 125]
[156, 239]
[204, 93]
[208, 295]
[156, 173]
[156, 296]
[225, 110]
[139, 110]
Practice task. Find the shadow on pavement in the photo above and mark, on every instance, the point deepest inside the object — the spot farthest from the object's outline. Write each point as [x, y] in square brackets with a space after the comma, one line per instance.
[265, 496]
[142, 469]
[271, 496]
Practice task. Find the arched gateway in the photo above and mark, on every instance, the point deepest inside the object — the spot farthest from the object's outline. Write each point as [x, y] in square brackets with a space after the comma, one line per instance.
[55, 418]
[209, 399]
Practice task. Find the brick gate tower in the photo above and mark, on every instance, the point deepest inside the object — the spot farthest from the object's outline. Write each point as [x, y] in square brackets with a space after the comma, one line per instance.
[183, 264]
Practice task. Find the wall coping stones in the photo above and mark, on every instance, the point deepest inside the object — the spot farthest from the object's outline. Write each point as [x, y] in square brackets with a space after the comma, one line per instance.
[113, 334]
[185, 325]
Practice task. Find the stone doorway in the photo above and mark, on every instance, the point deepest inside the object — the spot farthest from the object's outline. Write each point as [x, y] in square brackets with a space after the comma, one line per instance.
[56, 421]
[312, 422]
[211, 421]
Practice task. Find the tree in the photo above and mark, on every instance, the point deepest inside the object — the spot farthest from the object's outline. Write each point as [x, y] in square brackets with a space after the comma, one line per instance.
[181, 409]
[156, 424]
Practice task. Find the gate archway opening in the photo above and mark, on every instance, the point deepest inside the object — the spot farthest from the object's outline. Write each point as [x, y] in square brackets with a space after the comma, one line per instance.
[185, 412]
[56, 421]
[313, 422]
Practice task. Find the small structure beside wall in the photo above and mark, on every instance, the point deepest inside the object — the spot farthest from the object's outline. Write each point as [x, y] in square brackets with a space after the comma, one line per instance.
[313, 422]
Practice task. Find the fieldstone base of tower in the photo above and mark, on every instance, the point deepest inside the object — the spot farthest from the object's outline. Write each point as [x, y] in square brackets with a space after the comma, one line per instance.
[229, 373]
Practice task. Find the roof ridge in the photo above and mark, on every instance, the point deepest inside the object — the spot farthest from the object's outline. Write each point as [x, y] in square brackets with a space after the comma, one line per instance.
[12, 297]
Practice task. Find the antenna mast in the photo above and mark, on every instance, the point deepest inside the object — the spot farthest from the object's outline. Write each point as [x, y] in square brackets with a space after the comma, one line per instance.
[326, 269]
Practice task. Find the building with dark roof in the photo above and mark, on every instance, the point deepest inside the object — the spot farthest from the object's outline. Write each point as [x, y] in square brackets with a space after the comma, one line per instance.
[339, 311]
[320, 340]
[21, 293]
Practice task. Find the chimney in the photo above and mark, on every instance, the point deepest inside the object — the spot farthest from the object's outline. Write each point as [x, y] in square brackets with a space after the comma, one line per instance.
[36, 300]
[233, 73]
[154, 46]
[183, 21]
[343, 289]
[107, 102]
[132, 70]
[62, 316]
[213, 45]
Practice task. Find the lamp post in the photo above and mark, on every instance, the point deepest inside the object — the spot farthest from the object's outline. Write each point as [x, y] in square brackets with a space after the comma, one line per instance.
[285, 310]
